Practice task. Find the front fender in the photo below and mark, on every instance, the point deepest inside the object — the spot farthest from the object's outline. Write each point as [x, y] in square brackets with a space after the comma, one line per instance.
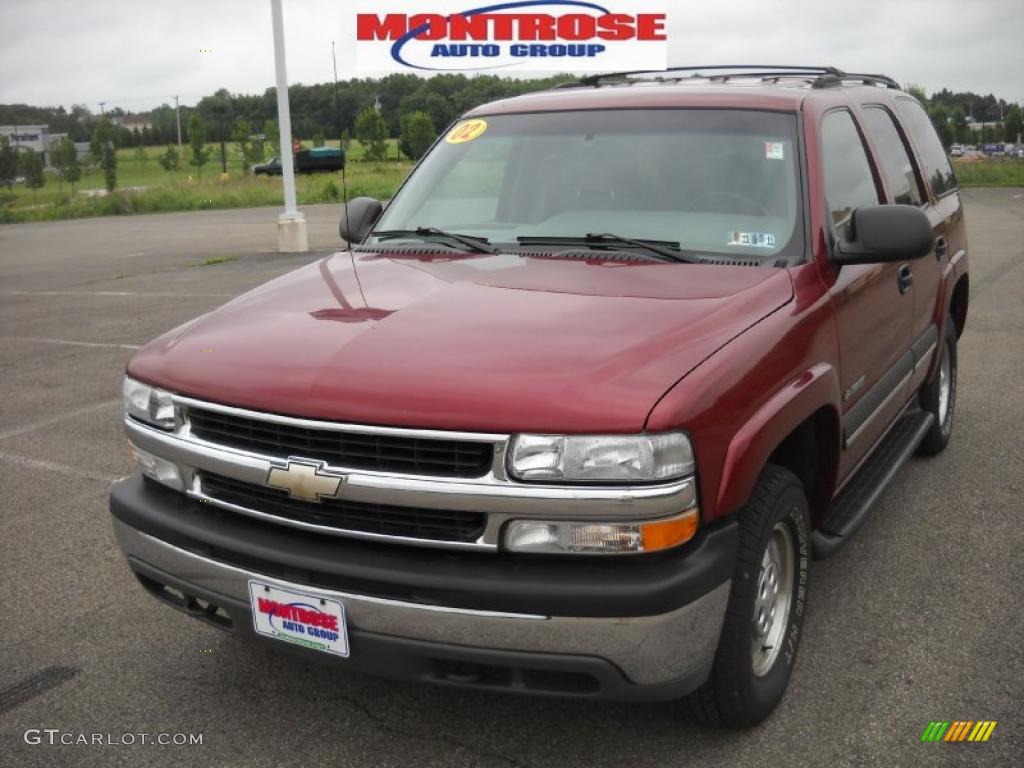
[755, 441]
[744, 400]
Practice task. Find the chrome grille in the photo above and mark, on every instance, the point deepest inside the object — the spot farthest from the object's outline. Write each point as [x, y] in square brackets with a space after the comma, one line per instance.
[404, 503]
[380, 519]
[349, 450]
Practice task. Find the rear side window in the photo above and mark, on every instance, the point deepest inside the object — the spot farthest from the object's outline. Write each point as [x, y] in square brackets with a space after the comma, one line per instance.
[893, 155]
[849, 183]
[933, 156]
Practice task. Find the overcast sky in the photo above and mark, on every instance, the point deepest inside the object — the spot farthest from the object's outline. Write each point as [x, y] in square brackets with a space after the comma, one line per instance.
[140, 54]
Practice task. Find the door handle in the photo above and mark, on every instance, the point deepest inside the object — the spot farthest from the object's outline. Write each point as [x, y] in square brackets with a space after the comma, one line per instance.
[941, 248]
[905, 278]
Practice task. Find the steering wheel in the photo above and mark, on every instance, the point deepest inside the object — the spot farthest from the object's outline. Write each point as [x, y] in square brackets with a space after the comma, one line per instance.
[752, 205]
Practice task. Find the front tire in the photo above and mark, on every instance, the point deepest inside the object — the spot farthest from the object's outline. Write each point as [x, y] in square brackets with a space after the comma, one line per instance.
[767, 603]
[938, 397]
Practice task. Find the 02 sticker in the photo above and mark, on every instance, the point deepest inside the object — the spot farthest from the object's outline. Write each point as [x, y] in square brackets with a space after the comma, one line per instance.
[467, 131]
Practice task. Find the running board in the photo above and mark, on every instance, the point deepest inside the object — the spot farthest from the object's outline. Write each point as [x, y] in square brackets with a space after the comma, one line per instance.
[851, 508]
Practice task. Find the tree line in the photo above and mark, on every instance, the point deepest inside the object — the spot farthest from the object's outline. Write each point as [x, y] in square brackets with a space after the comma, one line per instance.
[316, 109]
[324, 110]
[408, 107]
[952, 114]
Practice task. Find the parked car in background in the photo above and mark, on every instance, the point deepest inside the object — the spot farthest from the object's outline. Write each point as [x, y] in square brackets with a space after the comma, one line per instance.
[270, 168]
[957, 150]
[316, 160]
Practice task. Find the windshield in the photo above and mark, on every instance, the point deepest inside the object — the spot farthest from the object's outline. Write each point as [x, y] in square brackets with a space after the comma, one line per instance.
[713, 181]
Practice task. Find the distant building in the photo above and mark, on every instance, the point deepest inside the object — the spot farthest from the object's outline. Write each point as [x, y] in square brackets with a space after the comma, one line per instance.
[35, 137]
[136, 122]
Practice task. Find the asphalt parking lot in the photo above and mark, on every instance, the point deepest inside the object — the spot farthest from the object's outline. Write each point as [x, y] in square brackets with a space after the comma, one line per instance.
[919, 618]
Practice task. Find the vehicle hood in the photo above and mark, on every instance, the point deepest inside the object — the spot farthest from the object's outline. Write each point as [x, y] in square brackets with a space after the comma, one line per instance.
[484, 343]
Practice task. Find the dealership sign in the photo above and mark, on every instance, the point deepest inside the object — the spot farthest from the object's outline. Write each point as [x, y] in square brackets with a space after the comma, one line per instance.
[519, 36]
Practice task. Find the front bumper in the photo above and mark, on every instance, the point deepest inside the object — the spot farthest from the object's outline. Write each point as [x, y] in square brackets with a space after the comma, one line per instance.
[638, 629]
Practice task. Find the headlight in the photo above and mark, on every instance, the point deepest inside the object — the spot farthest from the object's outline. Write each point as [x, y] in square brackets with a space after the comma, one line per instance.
[148, 404]
[599, 538]
[601, 458]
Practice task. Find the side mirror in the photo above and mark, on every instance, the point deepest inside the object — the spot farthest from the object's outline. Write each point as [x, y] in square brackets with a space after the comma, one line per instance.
[358, 218]
[885, 233]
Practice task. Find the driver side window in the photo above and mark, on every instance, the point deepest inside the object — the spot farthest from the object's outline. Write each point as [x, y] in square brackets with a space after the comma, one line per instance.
[849, 183]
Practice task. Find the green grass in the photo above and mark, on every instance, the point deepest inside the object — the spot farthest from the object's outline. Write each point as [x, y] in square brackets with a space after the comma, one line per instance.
[177, 192]
[190, 188]
[993, 172]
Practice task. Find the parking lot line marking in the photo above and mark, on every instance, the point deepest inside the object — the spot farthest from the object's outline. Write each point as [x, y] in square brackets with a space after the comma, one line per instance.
[15, 431]
[176, 294]
[41, 340]
[60, 469]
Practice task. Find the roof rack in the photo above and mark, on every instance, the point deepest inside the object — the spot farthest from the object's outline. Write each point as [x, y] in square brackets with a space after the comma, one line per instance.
[819, 77]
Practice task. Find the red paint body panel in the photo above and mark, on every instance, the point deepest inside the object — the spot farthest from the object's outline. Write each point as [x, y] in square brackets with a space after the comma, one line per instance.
[742, 404]
[737, 356]
[469, 344]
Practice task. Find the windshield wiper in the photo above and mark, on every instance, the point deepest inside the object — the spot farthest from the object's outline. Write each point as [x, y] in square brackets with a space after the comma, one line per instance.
[664, 249]
[474, 244]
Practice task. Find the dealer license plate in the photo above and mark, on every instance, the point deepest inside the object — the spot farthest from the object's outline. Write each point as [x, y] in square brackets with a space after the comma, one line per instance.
[296, 617]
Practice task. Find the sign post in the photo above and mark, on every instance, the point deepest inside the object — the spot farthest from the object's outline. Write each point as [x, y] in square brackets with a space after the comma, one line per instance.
[291, 225]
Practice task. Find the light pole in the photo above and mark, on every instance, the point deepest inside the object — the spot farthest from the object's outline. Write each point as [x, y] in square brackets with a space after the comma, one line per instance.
[177, 117]
[291, 225]
[337, 111]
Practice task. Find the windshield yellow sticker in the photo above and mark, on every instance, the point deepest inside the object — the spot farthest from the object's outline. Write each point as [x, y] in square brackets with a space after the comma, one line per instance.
[469, 130]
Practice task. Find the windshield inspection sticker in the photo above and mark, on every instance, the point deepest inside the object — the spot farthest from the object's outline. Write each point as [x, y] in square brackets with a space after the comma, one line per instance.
[466, 131]
[752, 239]
[774, 150]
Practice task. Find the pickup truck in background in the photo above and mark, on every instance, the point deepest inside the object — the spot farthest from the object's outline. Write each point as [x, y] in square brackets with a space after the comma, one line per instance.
[574, 413]
[316, 160]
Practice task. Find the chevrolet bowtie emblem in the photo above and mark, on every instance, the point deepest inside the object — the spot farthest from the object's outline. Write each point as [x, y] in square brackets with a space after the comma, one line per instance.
[305, 480]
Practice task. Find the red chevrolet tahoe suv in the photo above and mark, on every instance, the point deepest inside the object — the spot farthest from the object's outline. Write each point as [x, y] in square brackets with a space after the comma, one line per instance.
[572, 413]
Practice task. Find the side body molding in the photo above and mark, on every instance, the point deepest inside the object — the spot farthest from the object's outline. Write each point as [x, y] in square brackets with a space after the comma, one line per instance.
[891, 385]
[875, 399]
